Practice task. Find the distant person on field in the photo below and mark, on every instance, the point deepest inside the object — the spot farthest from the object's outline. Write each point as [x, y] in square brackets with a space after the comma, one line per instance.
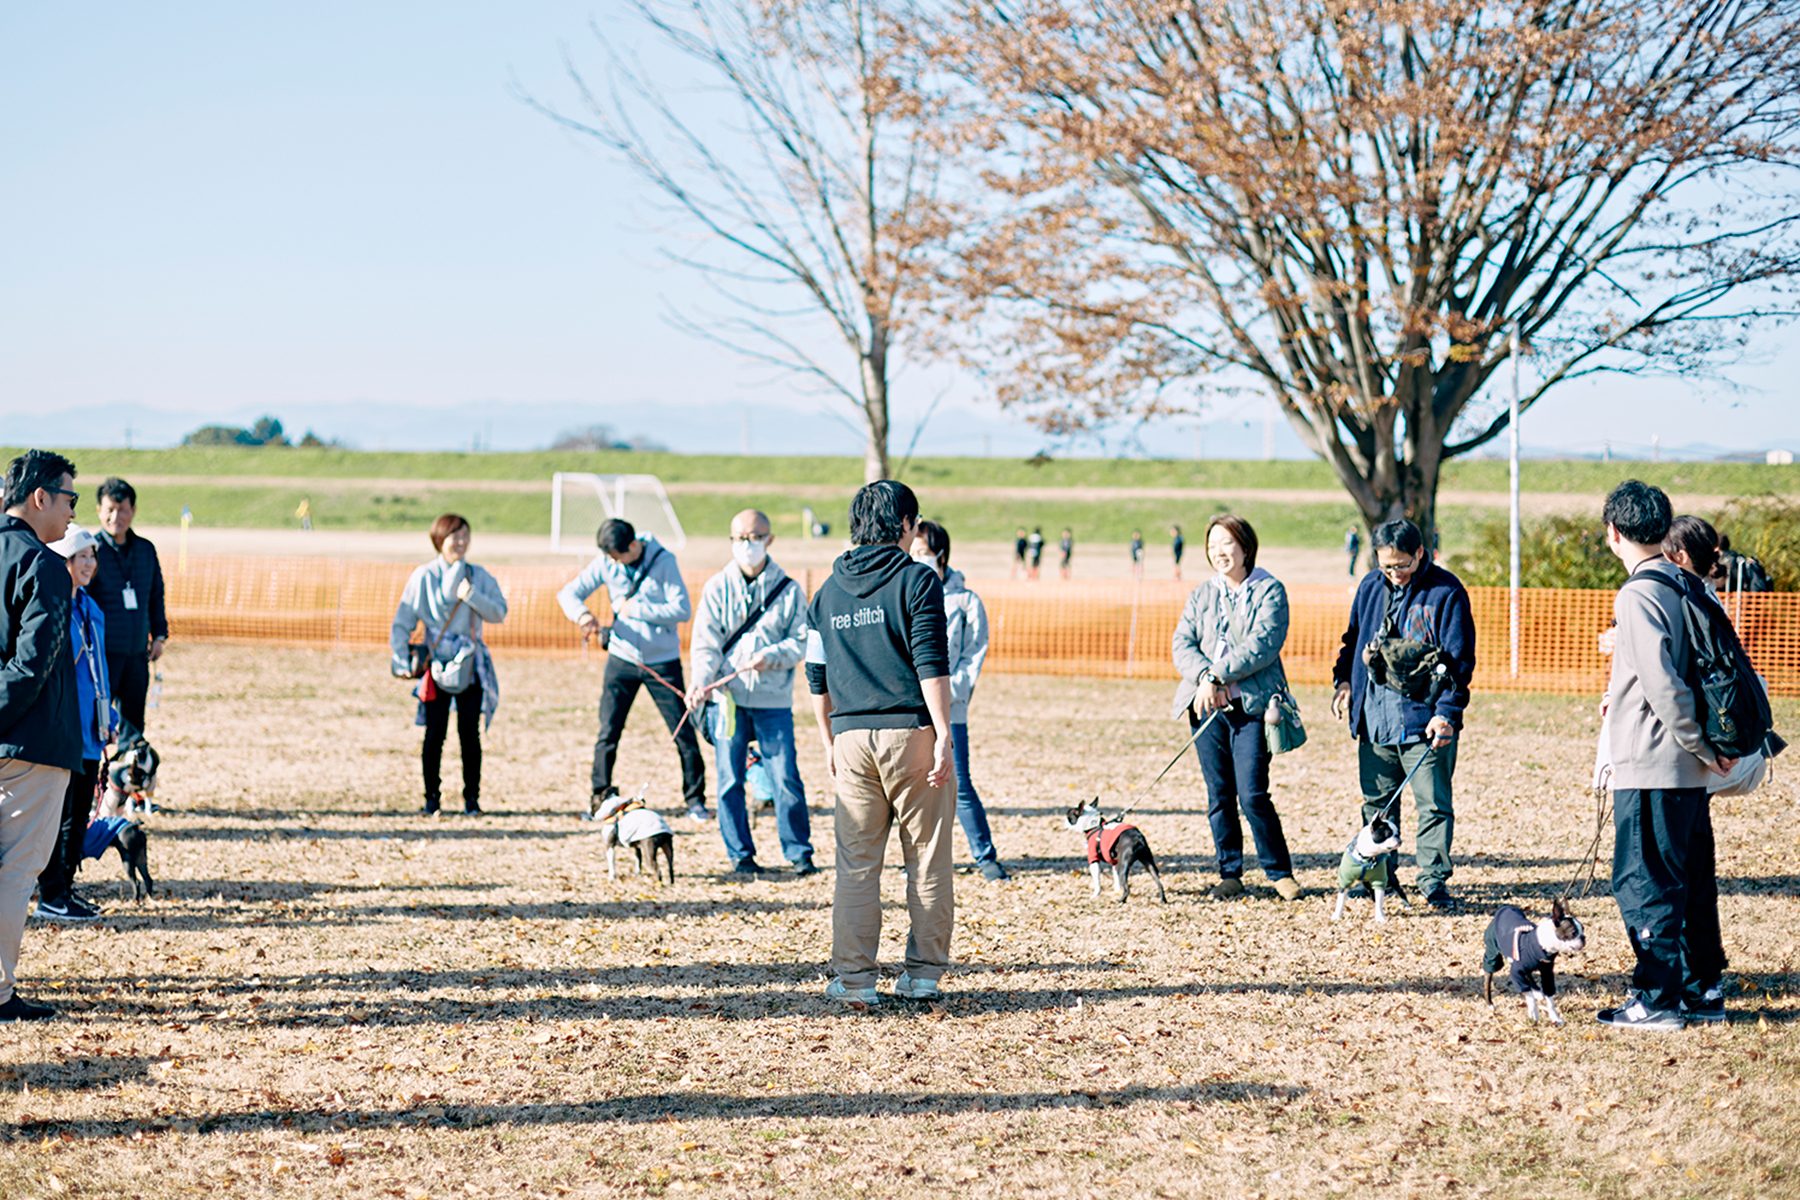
[1067, 546]
[1660, 766]
[455, 599]
[40, 731]
[1021, 544]
[748, 638]
[1177, 545]
[1402, 676]
[128, 587]
[1137, 554]
[1227, 648]
[878, 667]
[98, 719]
[1736, 572]
[643, 645]
[1034, 546]
[966, 639]
[1352, 547]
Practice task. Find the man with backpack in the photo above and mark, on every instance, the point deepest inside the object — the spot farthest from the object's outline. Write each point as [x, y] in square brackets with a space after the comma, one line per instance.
[748, 637]
[1657, 742]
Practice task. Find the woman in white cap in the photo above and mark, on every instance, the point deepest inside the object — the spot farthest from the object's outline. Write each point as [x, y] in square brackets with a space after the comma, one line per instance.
[99, 721]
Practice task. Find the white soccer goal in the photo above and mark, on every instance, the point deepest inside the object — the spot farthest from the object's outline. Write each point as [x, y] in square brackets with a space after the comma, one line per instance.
[580, 502]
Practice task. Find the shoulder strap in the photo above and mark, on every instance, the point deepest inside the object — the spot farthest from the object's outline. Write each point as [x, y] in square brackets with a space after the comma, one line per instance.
[642, 574]
[756, 614]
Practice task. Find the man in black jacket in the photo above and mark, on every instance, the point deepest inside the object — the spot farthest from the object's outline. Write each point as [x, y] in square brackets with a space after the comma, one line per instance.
[40, 733]
[877, 662]
[128, 587]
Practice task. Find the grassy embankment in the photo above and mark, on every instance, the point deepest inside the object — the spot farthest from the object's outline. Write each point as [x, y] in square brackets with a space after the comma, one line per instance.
[261, 487]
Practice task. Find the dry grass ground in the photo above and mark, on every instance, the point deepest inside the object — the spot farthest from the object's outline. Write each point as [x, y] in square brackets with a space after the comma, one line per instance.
[329, 996]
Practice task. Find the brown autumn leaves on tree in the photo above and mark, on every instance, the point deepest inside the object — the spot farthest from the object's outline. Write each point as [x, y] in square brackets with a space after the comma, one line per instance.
[1347, 204]
[804, 173]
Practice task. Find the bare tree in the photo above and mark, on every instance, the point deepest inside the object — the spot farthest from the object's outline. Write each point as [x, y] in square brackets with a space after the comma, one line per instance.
[819, 185]
[1350, 202]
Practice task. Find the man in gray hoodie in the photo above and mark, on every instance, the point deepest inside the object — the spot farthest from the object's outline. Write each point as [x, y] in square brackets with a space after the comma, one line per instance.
[748, 637]
[643, 645]
[1660, 764]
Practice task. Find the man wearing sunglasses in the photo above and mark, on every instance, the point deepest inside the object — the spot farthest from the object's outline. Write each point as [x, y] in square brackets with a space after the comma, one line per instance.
[40, 731]
[1411, 611]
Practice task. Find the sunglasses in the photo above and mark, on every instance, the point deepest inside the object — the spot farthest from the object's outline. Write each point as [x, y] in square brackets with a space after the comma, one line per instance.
[74, 497]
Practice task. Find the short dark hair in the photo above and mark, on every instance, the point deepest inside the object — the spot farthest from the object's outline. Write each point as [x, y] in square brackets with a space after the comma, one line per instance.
[117, 490]
[444, 526]
[1240, 532]
[615, 535]
[30, 471]
[937, 540]
[1398, 534]
[1695, 538]
[879, 510]
[1640, 512]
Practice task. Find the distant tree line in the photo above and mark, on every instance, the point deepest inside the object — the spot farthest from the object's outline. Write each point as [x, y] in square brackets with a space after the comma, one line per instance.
[602, 437]
[266, 431]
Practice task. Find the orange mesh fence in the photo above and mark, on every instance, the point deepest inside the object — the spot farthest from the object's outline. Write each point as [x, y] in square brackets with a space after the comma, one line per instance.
[1102, 627]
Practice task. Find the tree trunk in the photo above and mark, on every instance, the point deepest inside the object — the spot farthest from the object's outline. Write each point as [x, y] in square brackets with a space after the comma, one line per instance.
[875, 405]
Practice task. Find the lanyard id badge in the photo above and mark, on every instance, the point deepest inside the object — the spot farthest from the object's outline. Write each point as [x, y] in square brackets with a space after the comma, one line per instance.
[128, 595]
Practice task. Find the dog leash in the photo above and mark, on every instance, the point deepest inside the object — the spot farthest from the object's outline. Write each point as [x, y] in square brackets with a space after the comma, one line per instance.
[1394, 801]
[1192, 738]
[1602, 807]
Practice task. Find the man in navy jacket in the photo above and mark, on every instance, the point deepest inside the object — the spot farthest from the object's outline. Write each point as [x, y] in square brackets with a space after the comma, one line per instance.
[40, 733]
[1409, 597]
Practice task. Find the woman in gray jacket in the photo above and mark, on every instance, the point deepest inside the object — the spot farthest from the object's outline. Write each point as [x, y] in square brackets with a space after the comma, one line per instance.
[966, 634]
[1228, 650]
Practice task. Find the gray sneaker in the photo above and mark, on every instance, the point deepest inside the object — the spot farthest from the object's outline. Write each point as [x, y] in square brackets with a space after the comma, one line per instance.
[857, 998]
[1638, 1015]
[908, 988]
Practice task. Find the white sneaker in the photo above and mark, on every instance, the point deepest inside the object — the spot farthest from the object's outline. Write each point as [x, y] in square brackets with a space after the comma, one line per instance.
[857, 998]
[908, 988]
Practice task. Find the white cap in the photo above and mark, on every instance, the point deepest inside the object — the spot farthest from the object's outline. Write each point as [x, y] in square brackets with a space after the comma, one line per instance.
[74, 541]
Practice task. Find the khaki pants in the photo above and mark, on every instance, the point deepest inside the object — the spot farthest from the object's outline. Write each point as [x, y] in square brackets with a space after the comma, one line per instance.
[31, 801]
[880, 784]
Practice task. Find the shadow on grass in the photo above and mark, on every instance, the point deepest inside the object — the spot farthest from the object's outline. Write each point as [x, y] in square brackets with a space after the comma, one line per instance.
[650, 1107]
[74, 1074]
[164, 912]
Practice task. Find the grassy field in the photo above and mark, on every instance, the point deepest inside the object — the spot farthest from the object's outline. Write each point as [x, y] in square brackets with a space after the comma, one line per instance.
[1486, 475]
[331, 997]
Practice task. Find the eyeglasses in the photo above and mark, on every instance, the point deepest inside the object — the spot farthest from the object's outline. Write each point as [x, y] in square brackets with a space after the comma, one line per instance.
[753, 537]
[1405, 568]
[74, 497]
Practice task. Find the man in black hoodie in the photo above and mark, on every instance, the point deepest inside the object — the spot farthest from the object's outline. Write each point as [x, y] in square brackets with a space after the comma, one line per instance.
[877, 662]
[40, 734]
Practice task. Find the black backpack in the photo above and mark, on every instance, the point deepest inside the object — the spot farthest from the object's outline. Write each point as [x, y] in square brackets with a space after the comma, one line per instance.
[1729, 701]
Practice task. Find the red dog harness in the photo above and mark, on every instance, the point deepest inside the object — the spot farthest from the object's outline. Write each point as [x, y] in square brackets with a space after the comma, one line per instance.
[1102, 841]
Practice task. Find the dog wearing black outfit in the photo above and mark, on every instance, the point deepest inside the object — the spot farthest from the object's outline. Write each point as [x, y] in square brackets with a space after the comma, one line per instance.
[1529, 948]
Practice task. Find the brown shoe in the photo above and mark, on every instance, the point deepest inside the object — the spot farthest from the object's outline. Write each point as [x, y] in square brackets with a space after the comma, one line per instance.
[1287, 888]
[1228, 887]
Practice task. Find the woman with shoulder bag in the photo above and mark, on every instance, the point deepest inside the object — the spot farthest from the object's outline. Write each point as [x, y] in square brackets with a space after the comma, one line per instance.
[454, 598]
[966, 636]
[1228, 650]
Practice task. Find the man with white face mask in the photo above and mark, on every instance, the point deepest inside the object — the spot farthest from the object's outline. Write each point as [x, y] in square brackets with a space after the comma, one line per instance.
[748, 636]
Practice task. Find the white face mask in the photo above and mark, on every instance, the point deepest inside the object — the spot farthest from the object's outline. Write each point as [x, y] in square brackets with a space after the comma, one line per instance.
[930, 560]
[750, 554]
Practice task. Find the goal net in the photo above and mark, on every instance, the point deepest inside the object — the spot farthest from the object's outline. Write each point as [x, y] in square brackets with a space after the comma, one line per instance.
[580, 502]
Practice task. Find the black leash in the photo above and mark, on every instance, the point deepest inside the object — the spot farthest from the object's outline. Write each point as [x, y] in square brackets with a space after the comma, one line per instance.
[1400, 791]
[1185, 746]
[1602, 809]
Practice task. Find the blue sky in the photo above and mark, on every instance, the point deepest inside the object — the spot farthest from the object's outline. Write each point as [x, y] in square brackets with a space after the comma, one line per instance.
[341, 214]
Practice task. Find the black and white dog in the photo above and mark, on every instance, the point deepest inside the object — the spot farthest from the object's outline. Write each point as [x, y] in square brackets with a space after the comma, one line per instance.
[1115, 844]
[1529, 949]
[628, 821]
[133, 844]
[1366, 861]
[130, 775]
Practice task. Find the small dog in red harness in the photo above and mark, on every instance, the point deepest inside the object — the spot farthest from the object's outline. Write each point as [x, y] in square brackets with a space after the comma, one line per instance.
[1116, 844]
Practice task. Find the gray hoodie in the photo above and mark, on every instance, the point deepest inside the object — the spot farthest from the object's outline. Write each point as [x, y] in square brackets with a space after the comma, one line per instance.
[652, 633]
[966, 630]
[1251, 622]
[779, 635]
